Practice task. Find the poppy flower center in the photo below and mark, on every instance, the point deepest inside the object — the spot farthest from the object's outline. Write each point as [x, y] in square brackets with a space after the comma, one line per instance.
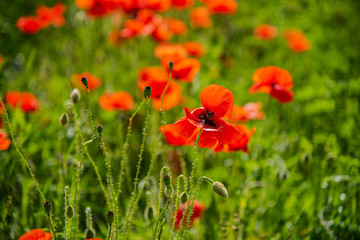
[206, 118]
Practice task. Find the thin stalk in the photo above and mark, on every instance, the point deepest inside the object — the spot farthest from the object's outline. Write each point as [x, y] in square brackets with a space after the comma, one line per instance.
[196, 155]
[160, 186]
[51, 225]
[177, 200]
[108, 237]
[158, 220]
[89, 115]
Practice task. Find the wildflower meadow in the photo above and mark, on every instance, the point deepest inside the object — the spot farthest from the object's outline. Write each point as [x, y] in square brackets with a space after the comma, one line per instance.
[179, 119]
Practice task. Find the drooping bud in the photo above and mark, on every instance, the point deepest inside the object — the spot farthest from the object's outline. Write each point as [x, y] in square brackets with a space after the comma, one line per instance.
[99, 129]
[85, 82]
[184, 197]
[147, 92]
[47, 206]
[171, 65]
[166, 179]
[110, 217]
[75, 95]
[70, 211]
[220, 189]
[64, 119]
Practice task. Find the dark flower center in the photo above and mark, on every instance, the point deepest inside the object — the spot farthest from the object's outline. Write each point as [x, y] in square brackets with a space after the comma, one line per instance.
[206, 118]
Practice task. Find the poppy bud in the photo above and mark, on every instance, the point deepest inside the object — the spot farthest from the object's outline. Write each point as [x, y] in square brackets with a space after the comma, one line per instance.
[90, 233]
[69, 211]
[166, 179]
[75, 95]
[85, 82]
[149, 213]
[64, 119]
[147, 92]
[99, 129]
[47, 206]
[110, 217]
[220, 189]
[171, 65]
[184, 197]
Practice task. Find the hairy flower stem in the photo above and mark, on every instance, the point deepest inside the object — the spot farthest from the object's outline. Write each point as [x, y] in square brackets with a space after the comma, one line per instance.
[89, 115]
[160, 216]
[177, 201]
[160, 186]
[196, 155]
[51, 224]
[18, 150]
[162, 117]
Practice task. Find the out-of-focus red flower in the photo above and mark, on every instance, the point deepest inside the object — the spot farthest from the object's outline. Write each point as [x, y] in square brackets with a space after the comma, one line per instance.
[120, 100]
[217, 104]
[97, 8]
[197, 211]
[239, 145]
[52, 15]
[93, 81]
[29, 25]
[36, 234]
[158, 5]
[249, 111]
[222, 6]
[26, 101]
[171, 52]
[195, 49]
[185, 69]
[163, 32]
[200, 17]
[265, 31]
[176, 26]
[182, 4]
[157, 78]
[297, 40]
[275, 81]
[84, 4]
[1, 59]
[175, 139]
[4, 142]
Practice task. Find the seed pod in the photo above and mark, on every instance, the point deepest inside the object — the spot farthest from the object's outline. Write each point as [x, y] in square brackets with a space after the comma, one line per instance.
[110, 217]
[47, 206]
[184, 197]
[70, 211]
[171, 65]
[75, 95]
[147, 92]
[220, 189]
[64, 119]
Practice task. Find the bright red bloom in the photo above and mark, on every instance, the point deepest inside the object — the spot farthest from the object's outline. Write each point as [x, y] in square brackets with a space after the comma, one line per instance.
[185, 69]
[176, 26]
[238, 145]
[93, 81]
[217, 103]
[222, 6]
[97, 8]
[297, 40]
[173, 138]
[169, 27]
[4, 142]
[200, 17]
[275, 81]
[248, 112]
[25, 100]
[183, 4]
[197, 211]
[265, 31]
[36, 234]
[194, 48]
[171, 52]
[120, 100]
[52, 15]
[29, 25]
[157, 78]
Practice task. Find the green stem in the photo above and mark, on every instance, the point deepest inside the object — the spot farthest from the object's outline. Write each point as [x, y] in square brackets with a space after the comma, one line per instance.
[158, 220]
[196, 155]
[89, 113]
[177, 200]
[51, 225]
[160, 186]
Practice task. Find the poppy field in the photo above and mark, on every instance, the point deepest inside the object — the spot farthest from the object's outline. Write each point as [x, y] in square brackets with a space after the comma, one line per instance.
[179, 119]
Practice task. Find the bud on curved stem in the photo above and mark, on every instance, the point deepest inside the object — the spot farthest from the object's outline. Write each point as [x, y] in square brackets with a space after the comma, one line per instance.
[47, 206]
[147, 92]
[85, 82]
[64, 119]
[75, 95]
[220, 189]
[99, 129]
[110, 217]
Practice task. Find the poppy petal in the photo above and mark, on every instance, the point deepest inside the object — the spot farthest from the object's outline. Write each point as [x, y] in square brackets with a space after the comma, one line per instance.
[183, 127]
[208, 139]
[281, 94]
[217, 99]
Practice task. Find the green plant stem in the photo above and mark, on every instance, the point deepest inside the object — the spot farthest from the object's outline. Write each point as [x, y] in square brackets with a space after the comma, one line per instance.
[162, 112]
[196, 155]
[108, 237]
[177, 200]
[160, 186]
[51, 225]
[158, 220]
[89, 113]
[18, 150]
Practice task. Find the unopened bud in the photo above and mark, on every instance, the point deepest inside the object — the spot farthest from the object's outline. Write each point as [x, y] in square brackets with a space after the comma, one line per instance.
[166, 179]
[220, 189]
[75, 95]
[47, 206]
[64, 119]
[110, 217]
[85, 82]
[90, 233]
[184, 197]
[171, 65]
[99, 129]
[147, 92]
[69, 211]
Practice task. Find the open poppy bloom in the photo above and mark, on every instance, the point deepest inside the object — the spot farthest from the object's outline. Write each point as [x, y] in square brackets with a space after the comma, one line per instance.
[194, 48]
[93, 81]
[157, 78]
[52, 15]
[197, 211]
[4, 142]
[200, 17]
[217, 103]
[182, 4]
[120, 100]
[222, 6]
[26, 101]
[297, 40]
[29, 25]
[36, 234]
[239, 145]
[173, 138]
[185, 69]
[275, 81]
[265, 31]
[247, 112]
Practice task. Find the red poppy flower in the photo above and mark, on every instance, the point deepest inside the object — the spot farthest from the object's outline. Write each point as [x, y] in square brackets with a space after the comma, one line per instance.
[265, 31]
[240, 144]
[84, 4]
[121, 100]
[170, 51]
[36, 234]
[29, 25]
[157, 78]
[162, 32]
[25, 100]
[176, 26]
[173, 138]
[93, 81]
[4, 142]
[275, 81]
[200, 17]
[248, 112]
[52, 15]
[297, 40]
[158, 5]
[98, 8]
[197, 211]
[183, 4]
[185, 69]
[194, 48]
[222, 6]
[217, 103]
